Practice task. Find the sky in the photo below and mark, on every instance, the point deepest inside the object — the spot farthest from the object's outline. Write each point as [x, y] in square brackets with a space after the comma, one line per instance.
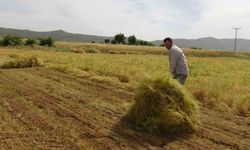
[147, 19]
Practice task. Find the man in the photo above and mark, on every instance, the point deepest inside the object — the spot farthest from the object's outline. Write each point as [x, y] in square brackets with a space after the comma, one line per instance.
[177, 61]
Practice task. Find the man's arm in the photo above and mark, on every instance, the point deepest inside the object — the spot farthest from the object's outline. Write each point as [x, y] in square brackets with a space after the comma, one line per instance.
[174, 55]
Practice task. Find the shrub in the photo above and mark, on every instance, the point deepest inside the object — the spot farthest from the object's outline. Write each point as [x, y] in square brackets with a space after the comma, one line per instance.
[163, 106]
[47, 41]
[11, 41]
[132, 40]
[30, 42]
[28, 62]
[144, 43]
[91, 50]
[120, 38]
[113, 42]
[107, 41]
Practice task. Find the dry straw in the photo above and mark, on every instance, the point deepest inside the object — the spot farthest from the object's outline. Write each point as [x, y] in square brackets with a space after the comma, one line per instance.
[20, 62]
[163, 106]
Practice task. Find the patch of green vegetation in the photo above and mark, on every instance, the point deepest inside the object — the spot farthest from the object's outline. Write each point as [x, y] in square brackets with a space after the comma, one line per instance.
[30, 42]
[11, 41]
[163, 106]
[47, 41]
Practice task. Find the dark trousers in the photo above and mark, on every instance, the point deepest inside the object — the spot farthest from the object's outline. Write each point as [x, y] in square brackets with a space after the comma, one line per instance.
[181, 78]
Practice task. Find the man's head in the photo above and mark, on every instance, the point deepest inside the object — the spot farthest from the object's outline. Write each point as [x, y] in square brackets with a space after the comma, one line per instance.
[168, 42]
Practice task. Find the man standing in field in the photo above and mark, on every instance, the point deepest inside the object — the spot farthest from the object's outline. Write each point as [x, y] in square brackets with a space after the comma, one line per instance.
[177, 61]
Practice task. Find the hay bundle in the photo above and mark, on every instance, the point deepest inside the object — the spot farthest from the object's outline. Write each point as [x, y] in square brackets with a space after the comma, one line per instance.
[27, 62]
[163, 106]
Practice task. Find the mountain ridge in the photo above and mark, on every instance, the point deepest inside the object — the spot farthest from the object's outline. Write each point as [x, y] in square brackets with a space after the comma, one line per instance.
[61, 35]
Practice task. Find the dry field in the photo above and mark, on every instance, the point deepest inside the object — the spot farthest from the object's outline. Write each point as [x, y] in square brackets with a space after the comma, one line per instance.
[77, 100]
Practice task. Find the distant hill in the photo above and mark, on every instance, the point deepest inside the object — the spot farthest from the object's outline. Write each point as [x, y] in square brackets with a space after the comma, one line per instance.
[59, 35]
[211, 43]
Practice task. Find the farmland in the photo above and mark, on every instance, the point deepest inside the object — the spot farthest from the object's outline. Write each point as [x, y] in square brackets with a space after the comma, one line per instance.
[78, 96]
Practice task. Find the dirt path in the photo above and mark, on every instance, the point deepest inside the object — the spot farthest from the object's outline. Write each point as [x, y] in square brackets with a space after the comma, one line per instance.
[45, 109]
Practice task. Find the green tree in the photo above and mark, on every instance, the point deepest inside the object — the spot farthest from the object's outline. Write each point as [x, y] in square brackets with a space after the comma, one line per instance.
[113, 42]
[120, 38]
[11, 41]
[145, 43]
[107, 41]
[47, 41]
[140, 42]
[132, 40]
[30, 42]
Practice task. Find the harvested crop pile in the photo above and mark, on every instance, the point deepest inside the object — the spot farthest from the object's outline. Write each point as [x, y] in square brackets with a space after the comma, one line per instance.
[19, 62]
[163, 106]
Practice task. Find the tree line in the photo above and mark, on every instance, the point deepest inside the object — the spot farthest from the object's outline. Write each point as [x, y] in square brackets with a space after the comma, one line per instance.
[118, 39]
[10, 40]
[131, 40]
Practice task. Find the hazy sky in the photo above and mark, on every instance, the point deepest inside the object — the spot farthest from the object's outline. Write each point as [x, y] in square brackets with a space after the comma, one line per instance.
[147, 19]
